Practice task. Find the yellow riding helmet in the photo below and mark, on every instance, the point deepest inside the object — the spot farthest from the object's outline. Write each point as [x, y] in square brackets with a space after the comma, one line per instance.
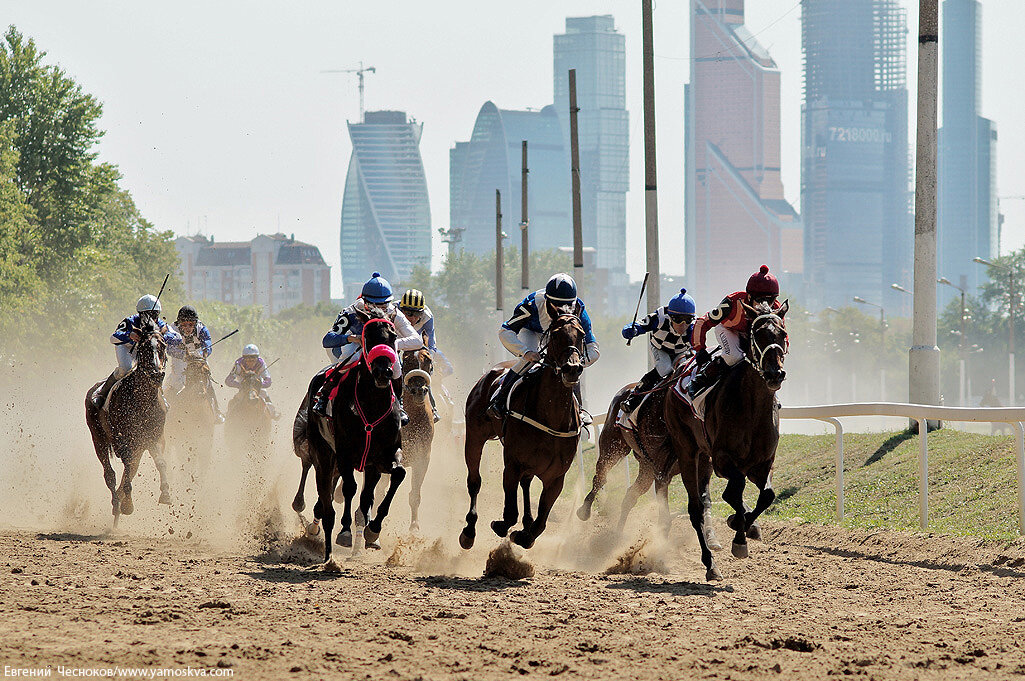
[412, 300]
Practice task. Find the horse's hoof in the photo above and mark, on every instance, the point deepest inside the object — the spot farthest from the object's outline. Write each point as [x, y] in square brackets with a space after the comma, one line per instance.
[127, 506]
[739, 550]
[165, 497]
[376, 545]
[344, 539]
[584, 513]
[712, 574]
[313, 529]
[466, 540]
[371, 537]
[712, 541]
[500, 528]
[331, 565]
[414, 526]
[754, 532]
[521, 539]
[731, 522]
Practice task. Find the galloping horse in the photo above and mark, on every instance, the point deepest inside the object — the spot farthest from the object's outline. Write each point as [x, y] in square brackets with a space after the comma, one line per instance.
[248, 422]
[134, 420]
[656, 461]
[539, 435]
[739, 435]
[363, 434]
[191, 418]
[418, 434]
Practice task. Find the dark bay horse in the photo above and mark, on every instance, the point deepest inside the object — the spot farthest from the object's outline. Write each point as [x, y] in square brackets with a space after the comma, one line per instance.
[657, 463]
[191, 419]
[363, 434]
[540, 435]
[134, 420]
[739, 434]
[248, 421]
[418, 434]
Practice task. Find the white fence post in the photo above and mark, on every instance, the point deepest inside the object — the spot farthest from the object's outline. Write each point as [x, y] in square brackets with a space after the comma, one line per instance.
[1019, 436]
[923, 473]
[839, 466]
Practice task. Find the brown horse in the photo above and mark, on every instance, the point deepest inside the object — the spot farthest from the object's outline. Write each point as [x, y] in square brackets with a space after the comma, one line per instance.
[657, 463]
[739, 435]
[133, 422]
[248, 421]
[191, 419]
[418, 434]
[539, 435]
[363, 434]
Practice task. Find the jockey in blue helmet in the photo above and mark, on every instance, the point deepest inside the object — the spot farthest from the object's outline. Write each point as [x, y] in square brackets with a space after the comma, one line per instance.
[521, 335]
[344, 339]
[669, 330]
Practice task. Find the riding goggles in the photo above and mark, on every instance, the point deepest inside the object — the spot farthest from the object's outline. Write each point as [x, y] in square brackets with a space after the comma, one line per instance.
[681, 318]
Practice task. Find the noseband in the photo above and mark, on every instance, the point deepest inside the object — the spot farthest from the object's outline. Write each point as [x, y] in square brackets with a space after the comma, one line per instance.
[558, 363]
[758, 352]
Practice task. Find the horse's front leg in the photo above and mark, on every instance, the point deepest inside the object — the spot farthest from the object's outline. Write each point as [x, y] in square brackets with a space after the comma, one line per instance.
[762, 478]
[157, 452]
[528, 515]
[645, 476]
[510, 481]
[417, 483]
[704, 480]
[472, 452]
[549, 493]
[612, 449]
[110, 478]
[734, 496]
[373, 530]
[348, 493]
[324, 508]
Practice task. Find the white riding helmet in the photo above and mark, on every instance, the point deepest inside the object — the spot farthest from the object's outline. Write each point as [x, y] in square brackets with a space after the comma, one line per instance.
[147, 303]
[250, 351]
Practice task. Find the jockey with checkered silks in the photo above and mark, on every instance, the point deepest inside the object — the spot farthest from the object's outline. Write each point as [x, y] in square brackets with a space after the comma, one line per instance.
[669, 331]
[193, 341]
[732, 325]
[414, 306]
[344, 340]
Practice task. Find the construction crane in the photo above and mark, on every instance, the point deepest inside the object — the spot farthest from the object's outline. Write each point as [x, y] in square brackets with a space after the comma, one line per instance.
[359, 74]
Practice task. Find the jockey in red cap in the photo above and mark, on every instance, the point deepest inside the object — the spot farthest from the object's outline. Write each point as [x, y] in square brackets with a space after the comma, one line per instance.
[731, 323]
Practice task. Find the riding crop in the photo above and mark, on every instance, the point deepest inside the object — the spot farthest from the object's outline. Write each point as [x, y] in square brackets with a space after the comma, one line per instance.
[637, 309]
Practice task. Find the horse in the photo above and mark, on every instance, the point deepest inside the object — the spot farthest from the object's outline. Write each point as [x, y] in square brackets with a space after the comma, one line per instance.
[248, 421]
[656, 461]
[191, 418]
[364, 434]
[738, 437]
[418, 434]
[133, 422]
[539, 435]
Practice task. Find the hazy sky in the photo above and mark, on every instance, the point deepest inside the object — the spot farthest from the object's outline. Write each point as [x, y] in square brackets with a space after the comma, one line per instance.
[220, 120]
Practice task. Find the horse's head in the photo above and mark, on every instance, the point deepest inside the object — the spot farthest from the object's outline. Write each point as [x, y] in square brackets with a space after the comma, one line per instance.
[417, 368]
[197, 372]
[564, 350]
[379, 338]
[769, 343]
[150, 350]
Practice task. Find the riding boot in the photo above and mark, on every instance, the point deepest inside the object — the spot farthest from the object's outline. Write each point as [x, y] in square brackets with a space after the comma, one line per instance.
[323, 395]
[585, 418]
[647, 382]
[706, 376]
[396, 385]
[497, 406]
[434, 404]
[100, 396]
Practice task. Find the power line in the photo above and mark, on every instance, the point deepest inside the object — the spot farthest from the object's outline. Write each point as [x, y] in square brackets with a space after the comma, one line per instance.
[742, 42]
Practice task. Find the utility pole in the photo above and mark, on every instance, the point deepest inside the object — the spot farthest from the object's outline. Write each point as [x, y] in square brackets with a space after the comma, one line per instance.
[524, 224]
[574, 146]
[650, 182]
[499, 256]
[359, 75]
[924, 356]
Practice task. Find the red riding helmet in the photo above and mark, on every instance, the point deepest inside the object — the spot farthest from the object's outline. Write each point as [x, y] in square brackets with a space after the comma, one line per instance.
[762, 283]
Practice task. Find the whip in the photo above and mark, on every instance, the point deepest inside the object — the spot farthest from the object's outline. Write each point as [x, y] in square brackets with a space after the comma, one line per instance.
[637, 309]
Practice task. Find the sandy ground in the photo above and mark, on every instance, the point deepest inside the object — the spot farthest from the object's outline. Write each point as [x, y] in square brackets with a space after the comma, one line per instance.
[223, 579]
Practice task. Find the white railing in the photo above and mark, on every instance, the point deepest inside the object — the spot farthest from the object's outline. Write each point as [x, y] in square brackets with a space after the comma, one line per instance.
[920, 413]
[831, 413]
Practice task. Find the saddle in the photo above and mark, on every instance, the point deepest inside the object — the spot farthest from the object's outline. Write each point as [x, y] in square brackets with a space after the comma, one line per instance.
[515, 386]
[696, 403]
[684, 371]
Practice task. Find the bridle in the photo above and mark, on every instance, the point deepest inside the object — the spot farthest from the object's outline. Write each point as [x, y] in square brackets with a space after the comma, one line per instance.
[758, 353]
[556, 364]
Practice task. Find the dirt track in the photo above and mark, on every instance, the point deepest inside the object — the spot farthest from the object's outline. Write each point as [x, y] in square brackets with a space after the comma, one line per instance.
[811, 601]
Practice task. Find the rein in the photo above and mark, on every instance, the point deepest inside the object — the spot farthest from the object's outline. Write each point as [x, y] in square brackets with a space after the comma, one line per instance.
[368, 427]
[758, 353]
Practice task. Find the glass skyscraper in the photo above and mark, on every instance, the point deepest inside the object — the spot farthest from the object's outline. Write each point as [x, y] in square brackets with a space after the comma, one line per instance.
[855, 179]
[967, 218]
[597, 51]
[386, 216]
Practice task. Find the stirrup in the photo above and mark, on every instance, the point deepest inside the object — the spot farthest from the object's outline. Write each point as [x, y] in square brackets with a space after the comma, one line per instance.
[320, 407]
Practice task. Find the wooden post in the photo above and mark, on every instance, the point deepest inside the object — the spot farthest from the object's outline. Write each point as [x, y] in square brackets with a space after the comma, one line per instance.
[650, 180]
[524, 224]
[578, 235]
[499, 256]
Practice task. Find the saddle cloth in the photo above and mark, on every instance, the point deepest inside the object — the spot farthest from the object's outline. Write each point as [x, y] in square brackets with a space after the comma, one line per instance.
[344, 368]
[697, 403]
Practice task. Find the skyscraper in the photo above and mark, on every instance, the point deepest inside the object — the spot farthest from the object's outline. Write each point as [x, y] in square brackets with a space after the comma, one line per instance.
[597, 51]
[737, 218]
[967, 217]
[492, 160]
[386, 216]
[855, 177]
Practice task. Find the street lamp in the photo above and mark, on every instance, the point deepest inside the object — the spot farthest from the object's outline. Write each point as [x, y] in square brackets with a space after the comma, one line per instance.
[898, 287]
[1010, 322]
[961, 345]
[882, 344]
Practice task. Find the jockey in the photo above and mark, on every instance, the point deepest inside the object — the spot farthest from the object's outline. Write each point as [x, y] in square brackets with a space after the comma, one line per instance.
[414, 307]
[344, 339]
[124, 339]
[193, 341]
[669, 331]
[250, 364]
[731, 325]
[521, 335]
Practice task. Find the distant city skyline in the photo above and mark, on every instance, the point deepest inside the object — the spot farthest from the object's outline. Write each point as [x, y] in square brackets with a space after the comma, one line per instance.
[213, 130]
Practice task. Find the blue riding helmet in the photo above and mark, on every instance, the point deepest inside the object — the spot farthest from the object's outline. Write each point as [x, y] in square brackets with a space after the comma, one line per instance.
[682, 304]
[561, 289]
[377, 290]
